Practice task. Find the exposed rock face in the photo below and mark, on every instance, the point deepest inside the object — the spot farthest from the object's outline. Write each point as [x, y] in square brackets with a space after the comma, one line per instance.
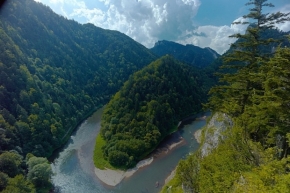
[213, 132]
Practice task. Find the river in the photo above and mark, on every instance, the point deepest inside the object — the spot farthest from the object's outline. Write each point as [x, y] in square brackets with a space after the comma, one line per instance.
[73, 167]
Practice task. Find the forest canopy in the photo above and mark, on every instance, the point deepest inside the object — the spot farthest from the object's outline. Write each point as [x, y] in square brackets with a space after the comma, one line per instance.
[147, 108]
[54, 76]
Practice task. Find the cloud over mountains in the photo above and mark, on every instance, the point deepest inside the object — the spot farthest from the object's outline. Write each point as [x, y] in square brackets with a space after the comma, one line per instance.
[148, 21]
[144, 20]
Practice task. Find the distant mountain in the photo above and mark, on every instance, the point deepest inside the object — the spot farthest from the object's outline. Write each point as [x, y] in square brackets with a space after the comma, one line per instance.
[190, 54]
[54, 72]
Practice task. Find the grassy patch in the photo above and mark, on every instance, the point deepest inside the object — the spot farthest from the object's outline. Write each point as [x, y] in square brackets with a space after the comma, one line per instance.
[99, 159]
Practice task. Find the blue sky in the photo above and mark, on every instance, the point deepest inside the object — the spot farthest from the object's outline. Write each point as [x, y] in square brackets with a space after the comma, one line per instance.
[223, 12]
[204, 23]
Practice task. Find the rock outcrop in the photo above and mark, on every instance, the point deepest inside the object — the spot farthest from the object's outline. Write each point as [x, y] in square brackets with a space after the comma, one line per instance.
[213, 132]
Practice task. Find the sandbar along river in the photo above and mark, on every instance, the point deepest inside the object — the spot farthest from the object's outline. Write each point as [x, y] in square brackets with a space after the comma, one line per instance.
[73, 167]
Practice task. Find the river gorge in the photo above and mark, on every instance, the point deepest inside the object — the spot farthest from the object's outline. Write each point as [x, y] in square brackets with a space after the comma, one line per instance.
[74, 169]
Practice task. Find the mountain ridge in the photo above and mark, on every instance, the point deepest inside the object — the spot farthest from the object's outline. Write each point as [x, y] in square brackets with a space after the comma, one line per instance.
[190, 54]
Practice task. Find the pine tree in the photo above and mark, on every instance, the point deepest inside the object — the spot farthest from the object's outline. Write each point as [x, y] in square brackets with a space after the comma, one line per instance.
[268, 117]
[247, 91]
[241, 78]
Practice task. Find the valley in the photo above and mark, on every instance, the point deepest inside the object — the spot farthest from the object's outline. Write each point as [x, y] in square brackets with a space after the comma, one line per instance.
[89, 99]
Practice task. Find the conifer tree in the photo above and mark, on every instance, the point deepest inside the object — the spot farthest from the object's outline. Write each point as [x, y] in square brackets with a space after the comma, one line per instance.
[246, 92]
[268, 117]
[241, 78]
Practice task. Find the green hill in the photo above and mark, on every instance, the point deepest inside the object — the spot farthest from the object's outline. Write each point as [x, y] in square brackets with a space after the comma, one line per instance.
[147, 108]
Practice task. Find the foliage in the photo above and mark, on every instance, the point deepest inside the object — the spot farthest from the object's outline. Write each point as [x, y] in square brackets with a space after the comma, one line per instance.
[271, 176]
[172, 186]
[243, 91]
[231, 167]
[13, 169]
[187, 172]
[39, 172]
[147, 108]
[217, 171]
[3, 180]
[10, 163]
[20, 185]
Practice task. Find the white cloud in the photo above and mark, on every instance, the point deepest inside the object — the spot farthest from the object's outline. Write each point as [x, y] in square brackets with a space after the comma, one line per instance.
[146, 21]
[64, 7]
[70, 3]
[92, 15]
[215, 37]
[284, 26]
[56, 1]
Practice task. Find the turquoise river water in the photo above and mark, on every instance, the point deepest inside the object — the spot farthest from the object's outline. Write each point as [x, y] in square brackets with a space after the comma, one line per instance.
[74, 169]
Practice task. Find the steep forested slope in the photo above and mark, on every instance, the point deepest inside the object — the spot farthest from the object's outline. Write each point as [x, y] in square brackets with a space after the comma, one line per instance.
[249, 139]
[147, 108]
[190, 54]
[54, 71]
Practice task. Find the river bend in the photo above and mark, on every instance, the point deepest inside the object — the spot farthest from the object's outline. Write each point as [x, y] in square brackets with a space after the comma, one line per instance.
[74, 169]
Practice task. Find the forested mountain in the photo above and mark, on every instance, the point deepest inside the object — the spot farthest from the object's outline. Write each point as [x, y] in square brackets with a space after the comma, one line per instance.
[54, 71]
[190, 54]
[147, 108]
